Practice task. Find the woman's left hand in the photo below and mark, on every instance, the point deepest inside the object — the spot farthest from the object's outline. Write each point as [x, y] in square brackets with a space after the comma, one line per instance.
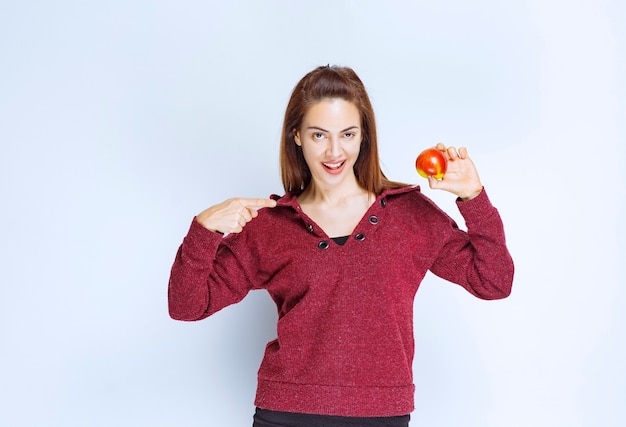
[461, 178]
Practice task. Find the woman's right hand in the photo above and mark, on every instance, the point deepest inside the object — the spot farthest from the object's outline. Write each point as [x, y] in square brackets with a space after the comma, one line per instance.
[232, 215]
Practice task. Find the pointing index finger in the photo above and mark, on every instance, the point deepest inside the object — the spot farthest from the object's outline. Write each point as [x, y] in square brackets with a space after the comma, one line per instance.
[258, 203]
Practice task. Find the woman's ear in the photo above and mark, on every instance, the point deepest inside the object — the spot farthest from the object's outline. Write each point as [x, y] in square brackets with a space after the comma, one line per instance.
[296, 137]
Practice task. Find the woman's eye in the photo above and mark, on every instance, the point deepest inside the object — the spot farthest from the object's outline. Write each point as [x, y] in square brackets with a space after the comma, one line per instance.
[318, 135]
[349, 135]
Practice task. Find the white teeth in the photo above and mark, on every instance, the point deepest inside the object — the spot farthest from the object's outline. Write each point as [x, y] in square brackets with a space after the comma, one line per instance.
[333, 165]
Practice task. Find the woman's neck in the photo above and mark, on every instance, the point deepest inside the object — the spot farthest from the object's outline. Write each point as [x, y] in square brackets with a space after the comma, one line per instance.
[332, 196]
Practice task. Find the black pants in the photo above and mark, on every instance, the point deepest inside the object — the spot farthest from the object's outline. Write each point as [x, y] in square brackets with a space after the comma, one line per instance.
[266, 418]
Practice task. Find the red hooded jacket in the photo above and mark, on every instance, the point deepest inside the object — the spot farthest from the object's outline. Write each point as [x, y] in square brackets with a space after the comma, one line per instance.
[344, 341]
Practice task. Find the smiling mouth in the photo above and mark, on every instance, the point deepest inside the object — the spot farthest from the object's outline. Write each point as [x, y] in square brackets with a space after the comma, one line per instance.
[333, 165]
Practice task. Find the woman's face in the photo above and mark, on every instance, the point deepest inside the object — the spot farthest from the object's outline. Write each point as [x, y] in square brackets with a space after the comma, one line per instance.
[330, 137]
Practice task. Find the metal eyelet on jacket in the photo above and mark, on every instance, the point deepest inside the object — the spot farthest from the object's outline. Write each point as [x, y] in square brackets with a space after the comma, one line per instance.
[383, 203]
[323, 245]
[360, 237]
[310, 228]
[373, 219]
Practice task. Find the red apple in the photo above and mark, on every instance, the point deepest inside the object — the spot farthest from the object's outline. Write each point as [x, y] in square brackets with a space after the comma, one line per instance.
[431, 162]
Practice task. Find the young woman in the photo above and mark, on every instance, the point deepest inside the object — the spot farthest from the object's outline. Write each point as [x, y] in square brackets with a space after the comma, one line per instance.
[342, 254]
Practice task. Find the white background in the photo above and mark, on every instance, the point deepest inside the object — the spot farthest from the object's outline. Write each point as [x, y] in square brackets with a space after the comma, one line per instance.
[120, 120]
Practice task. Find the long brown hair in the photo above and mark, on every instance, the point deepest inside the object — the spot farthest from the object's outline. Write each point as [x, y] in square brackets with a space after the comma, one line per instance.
[331, 82]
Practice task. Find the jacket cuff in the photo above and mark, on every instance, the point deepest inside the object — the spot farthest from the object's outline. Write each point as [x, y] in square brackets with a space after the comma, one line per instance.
[202, 239]
[476, 209]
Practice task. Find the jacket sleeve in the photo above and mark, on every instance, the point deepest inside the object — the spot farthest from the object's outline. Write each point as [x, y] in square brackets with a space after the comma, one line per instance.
[477, 259]
[205, 277]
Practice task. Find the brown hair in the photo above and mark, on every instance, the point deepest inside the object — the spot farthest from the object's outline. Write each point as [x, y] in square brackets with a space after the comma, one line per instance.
[331, 82]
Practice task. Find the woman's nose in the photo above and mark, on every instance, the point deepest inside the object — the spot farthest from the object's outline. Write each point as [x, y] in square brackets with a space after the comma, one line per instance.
[334, 147]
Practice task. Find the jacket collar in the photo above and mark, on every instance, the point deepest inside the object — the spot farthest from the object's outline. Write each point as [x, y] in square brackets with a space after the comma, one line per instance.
[290, 199]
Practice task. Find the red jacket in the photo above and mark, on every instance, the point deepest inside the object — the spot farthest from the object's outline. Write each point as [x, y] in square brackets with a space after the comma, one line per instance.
[345, 313]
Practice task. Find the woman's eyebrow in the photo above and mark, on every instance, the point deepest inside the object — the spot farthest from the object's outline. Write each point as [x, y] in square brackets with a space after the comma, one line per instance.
[324, 130]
